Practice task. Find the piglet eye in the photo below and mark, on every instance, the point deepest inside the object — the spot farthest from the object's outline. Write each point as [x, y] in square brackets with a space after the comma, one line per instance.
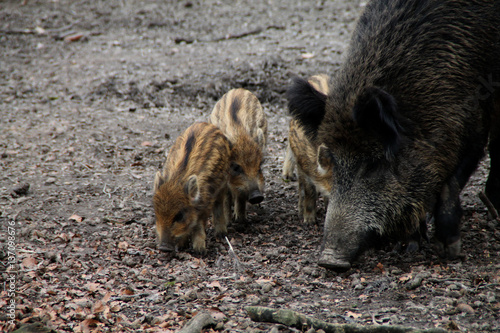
[236, 169]
[179, 217]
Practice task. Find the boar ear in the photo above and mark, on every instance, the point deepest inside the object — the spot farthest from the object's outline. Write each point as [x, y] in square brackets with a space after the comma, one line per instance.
[376, 111]
[192, 189]
[158, 181]
[324, 159]
[307, 105]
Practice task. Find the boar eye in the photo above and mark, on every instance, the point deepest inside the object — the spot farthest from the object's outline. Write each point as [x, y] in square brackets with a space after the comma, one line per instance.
[179, 217]
[236, 169]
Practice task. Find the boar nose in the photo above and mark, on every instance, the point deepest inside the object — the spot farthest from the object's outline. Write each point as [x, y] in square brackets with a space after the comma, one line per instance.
[255, 197]
[165, 247]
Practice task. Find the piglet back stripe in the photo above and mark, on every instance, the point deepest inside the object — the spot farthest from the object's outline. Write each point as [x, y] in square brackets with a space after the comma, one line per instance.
[234, 109]
[201, 149]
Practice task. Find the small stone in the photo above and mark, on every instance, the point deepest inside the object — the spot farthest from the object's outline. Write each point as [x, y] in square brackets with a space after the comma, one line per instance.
[267, 287]
[490, 297]
[275, 329]
[253, 300]
[191, 295]
[462, 307]
[20, 190]
[50, 181]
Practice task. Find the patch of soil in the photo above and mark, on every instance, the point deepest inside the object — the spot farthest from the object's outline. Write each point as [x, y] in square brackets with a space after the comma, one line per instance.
[85, 121]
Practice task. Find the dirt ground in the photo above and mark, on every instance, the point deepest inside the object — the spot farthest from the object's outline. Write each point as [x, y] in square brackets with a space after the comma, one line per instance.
[92, 94]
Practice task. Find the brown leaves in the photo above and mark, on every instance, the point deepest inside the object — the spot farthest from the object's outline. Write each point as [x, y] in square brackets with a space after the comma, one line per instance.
[28, 262]
[76, 218]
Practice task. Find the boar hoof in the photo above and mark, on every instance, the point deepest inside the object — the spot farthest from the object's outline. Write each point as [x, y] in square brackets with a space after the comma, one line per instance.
[412, 247]
[309, 219]
[221, 235]
[451, 251]
[329, 260]
[166, 248]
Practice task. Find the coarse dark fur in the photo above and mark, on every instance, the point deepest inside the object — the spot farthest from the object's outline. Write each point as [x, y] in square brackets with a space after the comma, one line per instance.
[192, 185]
[407, 120]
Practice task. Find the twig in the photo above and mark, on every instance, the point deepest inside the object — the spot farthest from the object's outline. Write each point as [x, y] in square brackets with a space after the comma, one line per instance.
[303, 322]
[179, 40]
[237, 262]
[248, 33]
[491, 209]
[26, 251]
[129, 297]
[18, 32]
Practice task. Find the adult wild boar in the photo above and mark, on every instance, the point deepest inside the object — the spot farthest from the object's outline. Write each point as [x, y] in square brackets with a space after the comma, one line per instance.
[406, 122]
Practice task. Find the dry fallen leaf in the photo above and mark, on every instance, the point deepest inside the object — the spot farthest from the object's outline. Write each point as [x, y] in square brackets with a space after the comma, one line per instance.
[353, 314]
[28, 262]
[405, 278]
[91, 286]
[76, 218]
[74, 38]
[214, 284]
[261, 280]
[87, 324]
[307, 55]
[127, 291]
[123, 245]
[98, 307]
[379, 267]
[216, 314]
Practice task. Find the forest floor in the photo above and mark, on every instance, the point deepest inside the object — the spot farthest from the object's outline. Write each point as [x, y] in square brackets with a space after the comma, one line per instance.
[92, 94]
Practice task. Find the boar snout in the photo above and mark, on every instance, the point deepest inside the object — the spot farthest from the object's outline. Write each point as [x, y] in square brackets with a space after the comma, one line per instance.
[331, 260]
[166, 247]
[255, 197]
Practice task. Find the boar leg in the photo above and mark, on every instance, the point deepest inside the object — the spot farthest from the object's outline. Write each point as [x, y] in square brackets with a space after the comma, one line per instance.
[220, 214]
[307, 199]
[493, 184]
[240, 205]
[199, 236]
[447, 217]
[289, 164]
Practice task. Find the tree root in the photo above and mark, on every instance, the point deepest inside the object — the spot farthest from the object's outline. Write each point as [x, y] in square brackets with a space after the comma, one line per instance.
[197, 323]
[302, 322]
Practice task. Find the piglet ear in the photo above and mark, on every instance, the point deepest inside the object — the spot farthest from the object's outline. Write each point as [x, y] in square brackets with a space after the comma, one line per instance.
[158, 182]
[376, 111]
[192, 189]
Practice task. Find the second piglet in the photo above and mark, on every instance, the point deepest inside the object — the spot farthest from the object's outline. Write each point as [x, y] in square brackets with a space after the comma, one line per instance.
[240, 117]
[302, 153]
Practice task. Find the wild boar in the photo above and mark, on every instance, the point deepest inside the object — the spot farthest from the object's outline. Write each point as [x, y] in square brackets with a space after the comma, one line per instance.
[240, 117]
[302, 153]
[406, 121]
[193, 184]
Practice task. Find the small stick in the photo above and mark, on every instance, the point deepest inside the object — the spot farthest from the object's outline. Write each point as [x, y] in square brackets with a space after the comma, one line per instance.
[488, 204]
[233, 254]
